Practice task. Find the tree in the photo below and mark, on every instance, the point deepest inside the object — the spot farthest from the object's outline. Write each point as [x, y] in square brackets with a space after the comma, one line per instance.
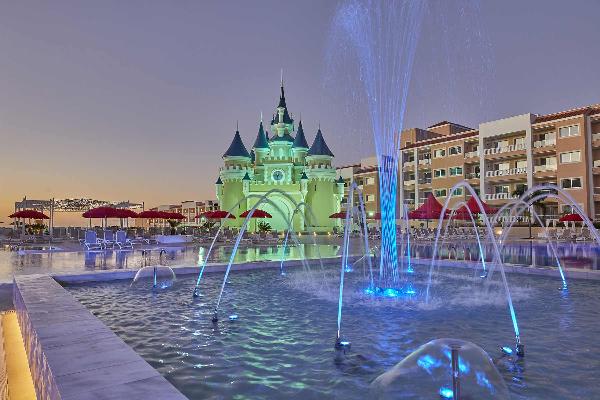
[263, 227]
[519, 191]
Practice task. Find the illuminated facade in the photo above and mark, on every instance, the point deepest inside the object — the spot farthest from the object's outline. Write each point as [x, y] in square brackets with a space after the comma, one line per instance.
[286, 162]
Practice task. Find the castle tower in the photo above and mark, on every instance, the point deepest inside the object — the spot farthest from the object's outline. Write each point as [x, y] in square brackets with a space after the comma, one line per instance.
[237, 165]
[299, 150]
[322, 187]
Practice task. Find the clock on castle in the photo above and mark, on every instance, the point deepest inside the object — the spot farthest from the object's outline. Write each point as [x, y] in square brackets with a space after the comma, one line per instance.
[281, 161]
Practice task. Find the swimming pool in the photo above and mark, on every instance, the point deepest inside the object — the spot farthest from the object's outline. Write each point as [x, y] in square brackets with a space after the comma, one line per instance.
[281, 345]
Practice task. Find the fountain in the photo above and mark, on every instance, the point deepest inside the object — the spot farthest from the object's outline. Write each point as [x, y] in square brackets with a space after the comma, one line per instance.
[159, 275]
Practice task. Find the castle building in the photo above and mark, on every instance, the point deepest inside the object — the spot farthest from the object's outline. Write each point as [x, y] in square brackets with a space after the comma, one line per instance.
[286, 162]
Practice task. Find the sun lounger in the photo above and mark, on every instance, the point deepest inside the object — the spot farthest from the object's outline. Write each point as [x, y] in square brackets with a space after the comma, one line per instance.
[122, 241]
[91, 241]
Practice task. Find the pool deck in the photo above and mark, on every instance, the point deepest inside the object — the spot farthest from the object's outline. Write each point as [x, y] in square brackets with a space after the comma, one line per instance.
[73, 355]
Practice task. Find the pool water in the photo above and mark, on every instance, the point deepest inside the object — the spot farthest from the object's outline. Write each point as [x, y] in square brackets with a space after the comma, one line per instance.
[36, 261]
[282, 344]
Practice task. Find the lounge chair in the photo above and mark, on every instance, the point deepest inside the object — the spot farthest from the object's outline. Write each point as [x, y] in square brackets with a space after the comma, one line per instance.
[91, 241]
[122, 241]
[109, 239]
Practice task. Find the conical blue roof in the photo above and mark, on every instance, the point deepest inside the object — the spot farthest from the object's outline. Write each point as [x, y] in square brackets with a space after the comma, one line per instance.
[246, 177]
[300, 140]
[237, 148]
[303, 175]
[340, 180]
[261, 139]
[319, 147]
[219, 181]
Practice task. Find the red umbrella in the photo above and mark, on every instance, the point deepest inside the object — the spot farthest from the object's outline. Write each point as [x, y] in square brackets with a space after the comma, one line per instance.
[101, 212]
[125, 213]
[31, 214]
[172, 215]
[474, 207]
[571, 218]
[218, 214]
[339, 215]
[430, 209]
[150, 214]
[256, 214]
[463, 214]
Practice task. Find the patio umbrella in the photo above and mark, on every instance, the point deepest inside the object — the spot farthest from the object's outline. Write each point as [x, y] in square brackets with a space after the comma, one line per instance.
[571, 218]
[430, 209]
[150, 214]
[256, 214]
[172, 215]
[125, 213]
[30, 214]
[100, 212]
[218, 214]
[462, 214]
[474, 207]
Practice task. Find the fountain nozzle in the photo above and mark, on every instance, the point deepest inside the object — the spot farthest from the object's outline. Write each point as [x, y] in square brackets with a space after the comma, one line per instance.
[341, 344]
[215, 318]
[196, 292]
[520, 347]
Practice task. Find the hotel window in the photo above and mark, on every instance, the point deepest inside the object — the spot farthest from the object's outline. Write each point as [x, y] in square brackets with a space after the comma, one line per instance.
[439, 173]
[438, 153]
[502, 143]
[570, 183]
[456, 171]
[458, 191]
[569, 209]
[519, 141]
[370, 197]
[568, 131]
[521, 164]
[370, 181]
[440, 192]
[501, 189]
[570, 157]
[454, 150]
[502, 166]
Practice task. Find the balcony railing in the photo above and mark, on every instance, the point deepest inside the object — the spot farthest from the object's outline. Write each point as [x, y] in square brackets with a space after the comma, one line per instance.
[597, 191]
[472, 154]
[544, 143]
[409, 163]
[473, 175]
[424, 181]
[506, 172]
[596, 163]
[544, 168]
[596, 136]
[504, 149]
[409, 183]
[425, 161]
[499, 196]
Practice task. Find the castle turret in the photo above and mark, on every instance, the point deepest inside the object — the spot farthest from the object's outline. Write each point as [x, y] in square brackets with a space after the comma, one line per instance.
[322, 188]
[237, 164]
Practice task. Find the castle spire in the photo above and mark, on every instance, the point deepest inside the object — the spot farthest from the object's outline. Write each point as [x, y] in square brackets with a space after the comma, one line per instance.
[237, 148]
[261, 141]
[319, 147]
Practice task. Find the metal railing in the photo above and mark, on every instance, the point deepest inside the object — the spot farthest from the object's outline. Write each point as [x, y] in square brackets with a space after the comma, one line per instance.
[424, 181]
[472, 154]
[504, 149]
[473, 175]
[409, 183]
[506, 172]
[543, 168]
[499, 196]
[425, 161]
[544, 143]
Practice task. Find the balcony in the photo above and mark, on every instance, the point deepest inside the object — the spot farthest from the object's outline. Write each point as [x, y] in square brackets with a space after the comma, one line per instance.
[425, 161]
[596, 167]
[472, 154]
[545, 168]
[425, 181]
[473, 175]
[597, 194]
[544, 143]
[504, 149]
[596, 136]
[409, 183]
[506, 172]
[499, 196]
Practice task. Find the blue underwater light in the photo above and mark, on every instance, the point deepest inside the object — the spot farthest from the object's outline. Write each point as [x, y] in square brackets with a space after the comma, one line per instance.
[446, 393]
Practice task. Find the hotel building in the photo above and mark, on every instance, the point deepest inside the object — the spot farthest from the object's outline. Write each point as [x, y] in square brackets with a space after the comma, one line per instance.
[498, 159]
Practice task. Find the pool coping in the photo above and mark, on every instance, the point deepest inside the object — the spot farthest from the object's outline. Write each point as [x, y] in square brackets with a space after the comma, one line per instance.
[73, 355]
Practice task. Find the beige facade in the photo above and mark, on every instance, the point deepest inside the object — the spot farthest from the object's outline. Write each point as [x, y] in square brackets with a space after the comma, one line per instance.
[500, 158]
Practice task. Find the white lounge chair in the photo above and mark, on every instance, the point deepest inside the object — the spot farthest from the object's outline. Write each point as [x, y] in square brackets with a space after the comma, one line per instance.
[122, 241]
[91, 241]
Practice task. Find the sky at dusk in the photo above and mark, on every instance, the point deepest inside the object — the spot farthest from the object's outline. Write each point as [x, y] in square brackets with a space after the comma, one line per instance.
[138, 100]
